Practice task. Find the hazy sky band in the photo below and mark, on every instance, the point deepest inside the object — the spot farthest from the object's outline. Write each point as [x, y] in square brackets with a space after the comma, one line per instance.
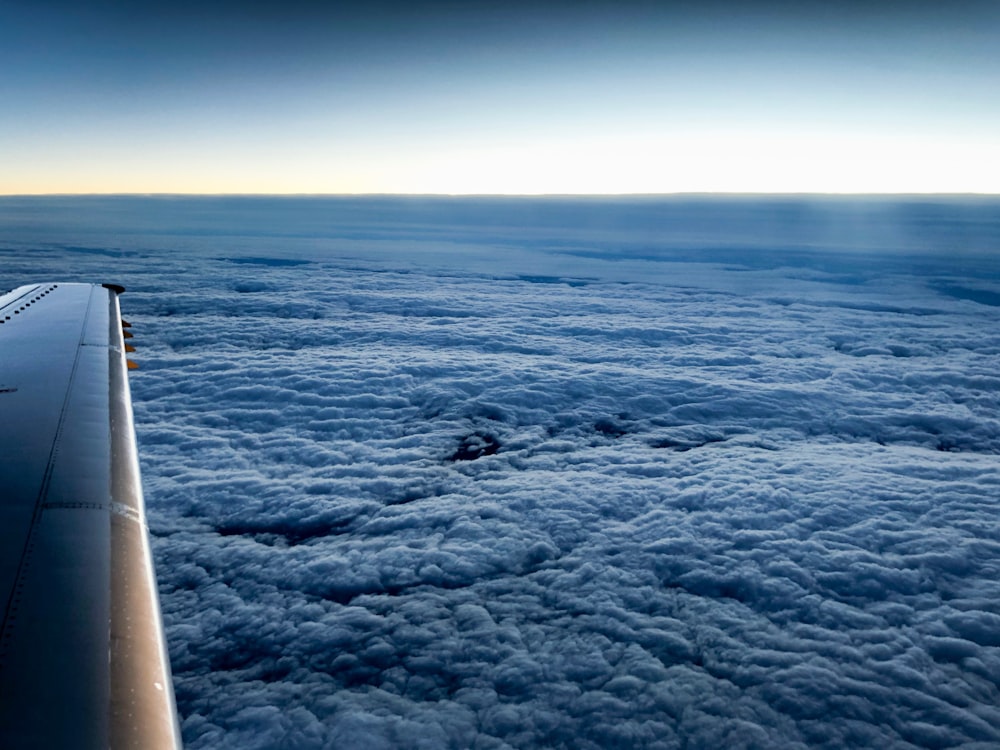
[507, 98]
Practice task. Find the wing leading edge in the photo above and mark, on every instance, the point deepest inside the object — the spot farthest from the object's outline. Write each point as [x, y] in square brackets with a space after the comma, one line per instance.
[83, 660]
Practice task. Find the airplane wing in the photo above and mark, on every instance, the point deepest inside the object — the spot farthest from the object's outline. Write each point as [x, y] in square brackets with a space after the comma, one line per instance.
[83, 660]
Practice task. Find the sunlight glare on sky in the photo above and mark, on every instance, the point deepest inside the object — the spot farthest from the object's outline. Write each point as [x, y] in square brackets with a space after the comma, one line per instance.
[592, 97]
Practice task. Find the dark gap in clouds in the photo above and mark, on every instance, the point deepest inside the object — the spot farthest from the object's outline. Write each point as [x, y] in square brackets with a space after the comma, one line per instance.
[475, 446]
[982, 296]
[733, 589]
[292, 534]
[555, 280]
[346, 595]
[98, 251]
[270, 262]
[866, 307]
[682, 446]
[535, 560]
[251, 287]
[406, 498]
[490, 411]
[248, 657]
[863, 349]
[610, 427]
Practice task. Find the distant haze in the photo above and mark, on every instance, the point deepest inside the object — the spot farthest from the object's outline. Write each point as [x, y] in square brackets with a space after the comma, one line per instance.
[499, 98]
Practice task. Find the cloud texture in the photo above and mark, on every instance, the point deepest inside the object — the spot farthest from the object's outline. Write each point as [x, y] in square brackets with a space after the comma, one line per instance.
[574, 502]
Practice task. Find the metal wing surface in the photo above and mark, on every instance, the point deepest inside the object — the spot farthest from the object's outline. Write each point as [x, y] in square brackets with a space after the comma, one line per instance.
[83, 662]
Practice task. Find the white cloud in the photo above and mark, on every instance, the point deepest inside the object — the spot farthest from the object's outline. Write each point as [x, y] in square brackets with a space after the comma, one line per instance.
[728, 506]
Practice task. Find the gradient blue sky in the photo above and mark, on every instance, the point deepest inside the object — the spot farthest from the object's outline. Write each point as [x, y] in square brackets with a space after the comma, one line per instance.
[449, 97]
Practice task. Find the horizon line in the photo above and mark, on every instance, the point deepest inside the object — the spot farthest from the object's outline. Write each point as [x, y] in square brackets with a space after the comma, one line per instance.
[674, 194]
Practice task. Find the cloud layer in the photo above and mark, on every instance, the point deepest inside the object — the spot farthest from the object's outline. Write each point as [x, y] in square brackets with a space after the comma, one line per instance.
[590, 503]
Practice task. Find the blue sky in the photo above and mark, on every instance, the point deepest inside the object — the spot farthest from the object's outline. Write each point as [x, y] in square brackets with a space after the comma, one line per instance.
[305, 97]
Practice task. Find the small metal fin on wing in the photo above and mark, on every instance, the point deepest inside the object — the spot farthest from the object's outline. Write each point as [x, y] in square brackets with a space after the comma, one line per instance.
[127, 335]
[126, 324]
[129, 348]
[131, 365]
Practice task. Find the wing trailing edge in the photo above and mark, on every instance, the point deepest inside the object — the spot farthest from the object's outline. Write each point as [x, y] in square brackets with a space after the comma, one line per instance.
[83, 659]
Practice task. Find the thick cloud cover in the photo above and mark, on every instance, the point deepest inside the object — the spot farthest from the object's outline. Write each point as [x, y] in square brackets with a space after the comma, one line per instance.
[531, 493]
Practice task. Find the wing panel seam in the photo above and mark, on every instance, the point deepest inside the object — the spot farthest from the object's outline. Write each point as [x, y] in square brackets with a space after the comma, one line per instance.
[13, 601]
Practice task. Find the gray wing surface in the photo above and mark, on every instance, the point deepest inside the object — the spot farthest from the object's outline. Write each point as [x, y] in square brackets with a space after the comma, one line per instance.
[83, 661]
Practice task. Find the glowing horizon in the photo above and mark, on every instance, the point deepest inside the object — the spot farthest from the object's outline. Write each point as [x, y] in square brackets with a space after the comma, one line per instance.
[640, 98]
